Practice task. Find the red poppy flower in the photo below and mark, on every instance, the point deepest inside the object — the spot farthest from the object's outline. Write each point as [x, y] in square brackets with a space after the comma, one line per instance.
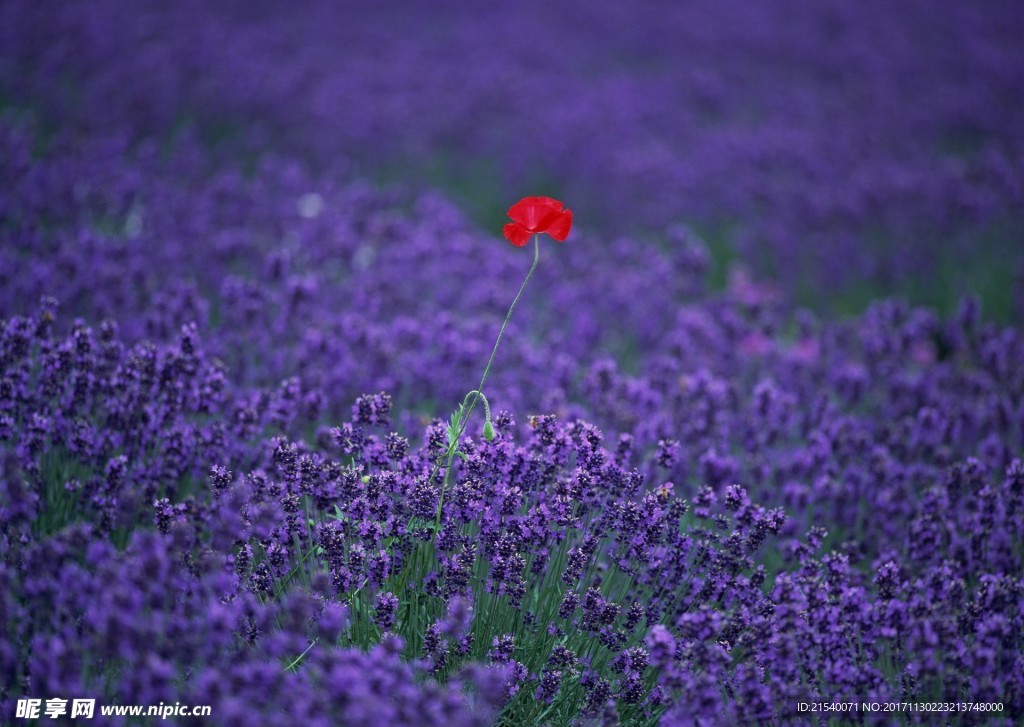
[533, 215]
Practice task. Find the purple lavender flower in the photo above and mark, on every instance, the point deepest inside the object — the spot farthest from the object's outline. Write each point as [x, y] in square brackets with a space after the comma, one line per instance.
[385, 611]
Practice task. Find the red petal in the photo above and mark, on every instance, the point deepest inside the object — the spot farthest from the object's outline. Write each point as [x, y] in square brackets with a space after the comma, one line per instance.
[559, 229]
[517, 234]
[535, 213]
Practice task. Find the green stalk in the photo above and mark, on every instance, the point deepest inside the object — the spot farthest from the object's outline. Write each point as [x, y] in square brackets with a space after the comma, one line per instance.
[464, 418]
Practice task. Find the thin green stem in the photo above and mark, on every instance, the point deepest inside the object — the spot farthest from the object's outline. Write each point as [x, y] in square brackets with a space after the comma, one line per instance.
[464, 419]
[508, 316]
[301, 656]
[476, 393]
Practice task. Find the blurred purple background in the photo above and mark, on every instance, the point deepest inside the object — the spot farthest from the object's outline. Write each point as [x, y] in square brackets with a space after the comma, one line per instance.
[843, 150]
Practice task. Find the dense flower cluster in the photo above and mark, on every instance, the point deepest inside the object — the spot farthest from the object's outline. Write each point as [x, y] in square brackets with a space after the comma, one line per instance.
[221, 369]
[557, 559]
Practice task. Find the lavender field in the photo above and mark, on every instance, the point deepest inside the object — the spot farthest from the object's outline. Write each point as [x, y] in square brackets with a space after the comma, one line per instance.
[751, 448]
